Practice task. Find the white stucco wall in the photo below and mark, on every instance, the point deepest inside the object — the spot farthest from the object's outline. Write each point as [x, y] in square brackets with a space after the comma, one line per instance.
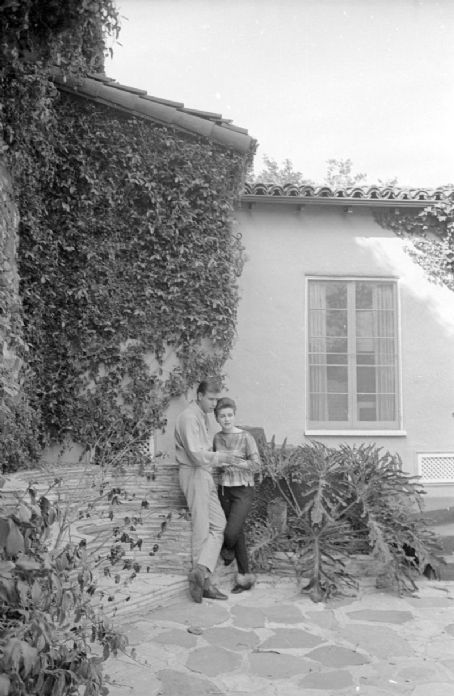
[267, 372]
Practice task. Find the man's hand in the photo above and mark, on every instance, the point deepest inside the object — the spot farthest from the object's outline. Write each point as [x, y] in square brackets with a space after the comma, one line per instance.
[232, 458]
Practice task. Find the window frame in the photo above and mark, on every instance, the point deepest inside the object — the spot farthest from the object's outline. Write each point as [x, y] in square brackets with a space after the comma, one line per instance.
[352, 426]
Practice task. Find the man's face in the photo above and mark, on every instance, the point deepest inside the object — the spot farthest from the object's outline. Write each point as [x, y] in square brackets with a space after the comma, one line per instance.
[207, 401]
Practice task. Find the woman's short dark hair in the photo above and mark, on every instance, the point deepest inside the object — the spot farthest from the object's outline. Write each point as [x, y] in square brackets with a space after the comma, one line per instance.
[225, 402]
[212, 385]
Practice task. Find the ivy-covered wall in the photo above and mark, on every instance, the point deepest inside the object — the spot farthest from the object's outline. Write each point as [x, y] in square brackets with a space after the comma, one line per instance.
[126, 252]
[18, 431]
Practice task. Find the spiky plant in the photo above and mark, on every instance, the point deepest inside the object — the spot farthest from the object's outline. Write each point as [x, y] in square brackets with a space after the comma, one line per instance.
[341, 500]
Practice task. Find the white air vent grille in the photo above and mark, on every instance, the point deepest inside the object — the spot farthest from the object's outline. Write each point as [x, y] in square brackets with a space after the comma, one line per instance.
[436, 468]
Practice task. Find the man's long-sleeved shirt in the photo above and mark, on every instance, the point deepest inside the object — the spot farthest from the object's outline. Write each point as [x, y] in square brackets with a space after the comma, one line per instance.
[193, 442]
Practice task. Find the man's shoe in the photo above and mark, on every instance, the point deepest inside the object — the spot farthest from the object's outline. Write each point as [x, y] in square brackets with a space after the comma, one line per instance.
[196, 581]
[213, 593]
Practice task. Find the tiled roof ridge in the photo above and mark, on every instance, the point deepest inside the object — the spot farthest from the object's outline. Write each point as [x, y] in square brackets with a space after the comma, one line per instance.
[370, 193]
[105, 90]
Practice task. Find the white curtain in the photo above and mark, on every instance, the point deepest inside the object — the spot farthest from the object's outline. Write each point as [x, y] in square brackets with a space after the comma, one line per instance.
[385, 353]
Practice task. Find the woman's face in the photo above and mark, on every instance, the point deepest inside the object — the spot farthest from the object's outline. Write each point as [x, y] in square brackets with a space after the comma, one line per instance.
[226, 418]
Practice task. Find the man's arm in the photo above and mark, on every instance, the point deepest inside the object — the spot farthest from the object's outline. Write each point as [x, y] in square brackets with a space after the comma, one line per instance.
[187, 436]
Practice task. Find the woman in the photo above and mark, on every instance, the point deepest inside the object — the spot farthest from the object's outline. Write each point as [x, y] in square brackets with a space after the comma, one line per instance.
[236, 489]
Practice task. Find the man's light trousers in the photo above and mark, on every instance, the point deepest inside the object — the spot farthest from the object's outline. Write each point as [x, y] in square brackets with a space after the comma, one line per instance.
[207, 517]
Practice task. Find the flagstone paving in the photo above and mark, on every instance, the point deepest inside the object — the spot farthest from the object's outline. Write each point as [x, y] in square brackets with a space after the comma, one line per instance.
[274, 641]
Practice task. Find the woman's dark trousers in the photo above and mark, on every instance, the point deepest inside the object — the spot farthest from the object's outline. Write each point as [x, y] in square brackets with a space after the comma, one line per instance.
[236, 502]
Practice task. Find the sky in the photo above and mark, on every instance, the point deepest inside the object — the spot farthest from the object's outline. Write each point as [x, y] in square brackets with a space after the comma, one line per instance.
[311, 80]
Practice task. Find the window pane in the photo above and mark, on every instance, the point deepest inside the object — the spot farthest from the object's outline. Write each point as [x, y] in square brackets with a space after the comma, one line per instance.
[384, 323]
[337, 380]
[380, 350]
[317, 322]
[367, 409]
[365, 358]
[336, 295]
[318, 407]
[317, 379]
[365, 379]
[386, 407]
[317, 358]
[365, 323]
[338, 407]
[364, 295]
[386, 382]
[336, 358]
[329, 344]
[336, 322]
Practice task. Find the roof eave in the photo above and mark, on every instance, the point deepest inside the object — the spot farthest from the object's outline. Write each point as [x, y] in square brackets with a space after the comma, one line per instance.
[300, 202]
[139, 105]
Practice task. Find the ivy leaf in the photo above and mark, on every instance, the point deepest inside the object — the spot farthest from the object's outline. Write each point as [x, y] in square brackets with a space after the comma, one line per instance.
[29, 657]
[27, 564]
[4, 532]
[36, 592]
[23, 513]
[5, 569]
[14, 541]
[4, 685]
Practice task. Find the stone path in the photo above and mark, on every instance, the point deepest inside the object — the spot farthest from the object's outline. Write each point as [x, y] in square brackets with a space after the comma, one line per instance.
[273, 641]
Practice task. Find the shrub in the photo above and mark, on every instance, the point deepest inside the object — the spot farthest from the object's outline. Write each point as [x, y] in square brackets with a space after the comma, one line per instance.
[341, 501]
[47, 618]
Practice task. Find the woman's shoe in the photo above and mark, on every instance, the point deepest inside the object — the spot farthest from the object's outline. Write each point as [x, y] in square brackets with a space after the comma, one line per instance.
[240, 588]
[227, 555]
[243, 582]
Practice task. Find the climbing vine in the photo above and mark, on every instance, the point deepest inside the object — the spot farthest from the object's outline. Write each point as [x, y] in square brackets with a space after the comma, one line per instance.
[127, 259]
[429, 237]
[35, 36]
[126, 253]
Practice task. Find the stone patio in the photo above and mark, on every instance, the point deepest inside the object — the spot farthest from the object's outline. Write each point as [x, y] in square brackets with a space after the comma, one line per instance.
[275, 641]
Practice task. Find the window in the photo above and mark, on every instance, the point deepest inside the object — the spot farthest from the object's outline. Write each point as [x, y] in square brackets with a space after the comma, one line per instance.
[352, 354]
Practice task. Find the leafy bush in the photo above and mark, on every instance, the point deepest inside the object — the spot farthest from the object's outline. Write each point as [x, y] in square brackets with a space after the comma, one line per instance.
[47, 619]
[19, 426]
[343, 501]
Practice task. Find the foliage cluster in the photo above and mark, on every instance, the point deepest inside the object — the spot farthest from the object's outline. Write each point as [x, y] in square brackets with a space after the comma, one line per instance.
[70, 544]
[339, 174]
[126, 248]
[429, 237]
[73, 34]
[16, 417]
[126, 252]
[47, 619]
[350, 499]
[35, 36]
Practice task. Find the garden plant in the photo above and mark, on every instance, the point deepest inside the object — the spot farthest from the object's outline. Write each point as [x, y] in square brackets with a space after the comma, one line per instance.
[56, 583]
[342, 502]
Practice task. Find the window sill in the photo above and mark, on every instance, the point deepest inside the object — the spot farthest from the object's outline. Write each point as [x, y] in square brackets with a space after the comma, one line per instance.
[357, 433]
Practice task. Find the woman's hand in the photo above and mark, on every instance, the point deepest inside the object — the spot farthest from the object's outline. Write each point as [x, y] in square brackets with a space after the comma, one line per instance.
[240, 464]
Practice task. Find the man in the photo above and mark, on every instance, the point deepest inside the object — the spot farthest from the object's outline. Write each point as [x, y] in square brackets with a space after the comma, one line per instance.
[193, 446]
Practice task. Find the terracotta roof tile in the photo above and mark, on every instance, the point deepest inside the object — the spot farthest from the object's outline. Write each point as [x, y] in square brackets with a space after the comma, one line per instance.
[127, 88]
[168, 102]
[138, 103]
[358, 195]
[204, 114]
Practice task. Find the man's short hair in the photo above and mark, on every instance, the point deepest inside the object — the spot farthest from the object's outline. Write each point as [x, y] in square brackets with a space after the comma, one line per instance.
[225, 402]
[212, 385]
